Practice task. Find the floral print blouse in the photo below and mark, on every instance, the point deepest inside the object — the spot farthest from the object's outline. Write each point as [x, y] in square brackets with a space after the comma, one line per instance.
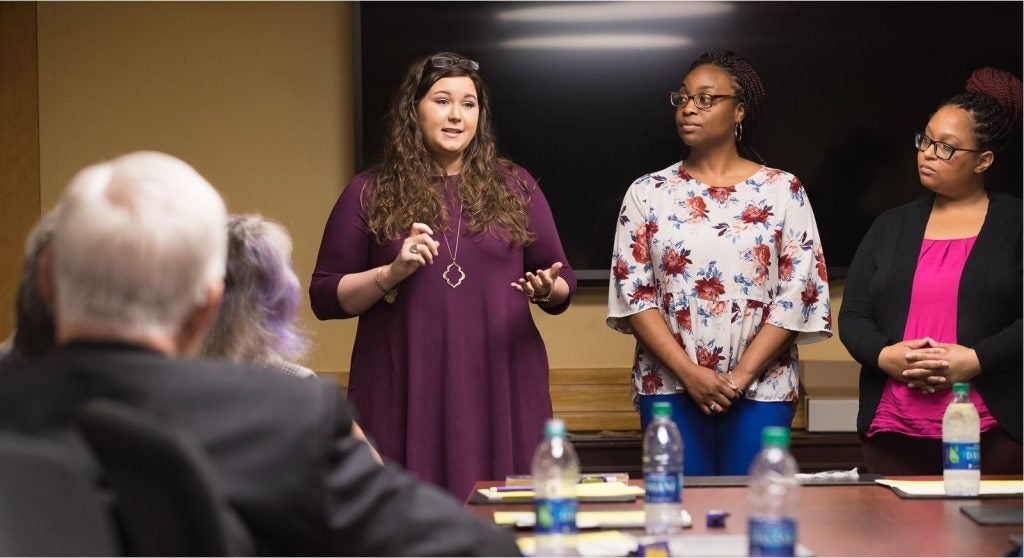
[719, 262]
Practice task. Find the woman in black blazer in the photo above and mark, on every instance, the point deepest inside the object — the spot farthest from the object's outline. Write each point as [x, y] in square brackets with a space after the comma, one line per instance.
[933, 295]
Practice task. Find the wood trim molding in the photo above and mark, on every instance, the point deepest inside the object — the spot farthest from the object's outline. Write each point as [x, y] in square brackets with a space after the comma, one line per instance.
[19, 147]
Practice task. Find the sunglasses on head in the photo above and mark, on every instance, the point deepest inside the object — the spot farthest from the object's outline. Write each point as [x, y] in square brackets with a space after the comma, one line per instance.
[449, 61]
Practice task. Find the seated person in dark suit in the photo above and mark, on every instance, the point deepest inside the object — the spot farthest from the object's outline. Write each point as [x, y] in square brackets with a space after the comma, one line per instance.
[33, 320]
[138, 264]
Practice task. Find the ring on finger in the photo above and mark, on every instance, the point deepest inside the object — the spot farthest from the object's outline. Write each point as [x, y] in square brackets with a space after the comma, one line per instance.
[415, 248]
[713, 407]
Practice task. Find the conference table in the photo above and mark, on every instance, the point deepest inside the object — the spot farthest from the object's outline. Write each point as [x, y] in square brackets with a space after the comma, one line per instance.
[838, 520]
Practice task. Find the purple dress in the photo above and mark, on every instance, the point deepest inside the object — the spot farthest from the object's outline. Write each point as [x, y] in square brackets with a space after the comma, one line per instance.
[452, 383]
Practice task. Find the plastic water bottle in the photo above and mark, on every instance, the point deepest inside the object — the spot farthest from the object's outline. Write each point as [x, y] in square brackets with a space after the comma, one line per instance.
[556, 471]
[961, 447]
[663, 472]
[773, 497]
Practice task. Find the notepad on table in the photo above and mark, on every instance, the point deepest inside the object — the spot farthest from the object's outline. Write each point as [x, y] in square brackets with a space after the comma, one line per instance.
[936, 489]
[596, 492]
[589, 519]
[597, 543]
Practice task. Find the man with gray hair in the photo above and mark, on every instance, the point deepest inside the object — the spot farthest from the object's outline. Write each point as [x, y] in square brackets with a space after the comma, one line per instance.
[138, 253]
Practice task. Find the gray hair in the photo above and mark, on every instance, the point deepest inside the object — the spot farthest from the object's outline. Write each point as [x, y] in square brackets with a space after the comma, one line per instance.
[139, 241]
[258, 319]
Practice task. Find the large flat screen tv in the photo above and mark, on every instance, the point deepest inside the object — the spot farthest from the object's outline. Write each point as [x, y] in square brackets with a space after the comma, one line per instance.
[580, 94]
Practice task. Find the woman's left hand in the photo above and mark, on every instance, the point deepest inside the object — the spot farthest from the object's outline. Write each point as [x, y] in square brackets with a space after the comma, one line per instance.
[961, 366]
[540, 285]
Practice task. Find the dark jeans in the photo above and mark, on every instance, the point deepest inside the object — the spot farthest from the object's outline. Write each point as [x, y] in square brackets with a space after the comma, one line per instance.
[888, 453]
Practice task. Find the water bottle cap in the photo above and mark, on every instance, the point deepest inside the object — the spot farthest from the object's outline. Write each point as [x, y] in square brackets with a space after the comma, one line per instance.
[554, 427]
[961, 388]
[661, 409]
[775, 437]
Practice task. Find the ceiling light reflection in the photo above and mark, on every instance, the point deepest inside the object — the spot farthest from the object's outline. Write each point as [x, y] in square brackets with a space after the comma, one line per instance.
[596, 41]
[616, 11]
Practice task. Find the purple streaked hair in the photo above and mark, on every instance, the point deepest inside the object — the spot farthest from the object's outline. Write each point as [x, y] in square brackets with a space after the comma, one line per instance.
[258, 319]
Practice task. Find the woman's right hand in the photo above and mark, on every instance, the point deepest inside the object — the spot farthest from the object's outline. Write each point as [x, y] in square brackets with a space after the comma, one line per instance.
[418, 249]
[713, 393]
[907, 355]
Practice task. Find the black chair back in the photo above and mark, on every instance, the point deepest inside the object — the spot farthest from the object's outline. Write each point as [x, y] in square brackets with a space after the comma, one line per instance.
[166, 496]
[48, 506]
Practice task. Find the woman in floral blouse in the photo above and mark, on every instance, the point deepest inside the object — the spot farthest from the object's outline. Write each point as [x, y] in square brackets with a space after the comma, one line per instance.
[718, 272]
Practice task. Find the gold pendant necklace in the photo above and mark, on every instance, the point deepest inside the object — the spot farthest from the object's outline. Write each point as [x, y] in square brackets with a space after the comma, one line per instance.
[454, 265]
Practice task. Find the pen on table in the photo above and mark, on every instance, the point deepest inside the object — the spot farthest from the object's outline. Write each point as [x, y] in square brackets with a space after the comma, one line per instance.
[513, 488]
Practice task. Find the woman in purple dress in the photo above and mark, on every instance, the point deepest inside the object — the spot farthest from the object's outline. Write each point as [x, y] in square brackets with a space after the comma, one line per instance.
[439, 250]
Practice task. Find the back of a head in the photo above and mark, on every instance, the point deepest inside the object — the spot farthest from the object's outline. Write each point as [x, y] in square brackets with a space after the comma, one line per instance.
[258, 319]
[138, 242]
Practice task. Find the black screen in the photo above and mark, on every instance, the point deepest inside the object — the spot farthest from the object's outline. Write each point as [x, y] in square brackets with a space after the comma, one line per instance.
[579, 94]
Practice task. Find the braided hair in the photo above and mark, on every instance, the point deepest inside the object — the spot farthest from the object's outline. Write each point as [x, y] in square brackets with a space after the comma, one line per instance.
[750, 91]
[993, 99]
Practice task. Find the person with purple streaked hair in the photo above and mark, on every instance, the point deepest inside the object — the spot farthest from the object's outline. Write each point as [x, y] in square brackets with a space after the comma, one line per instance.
[258, 319]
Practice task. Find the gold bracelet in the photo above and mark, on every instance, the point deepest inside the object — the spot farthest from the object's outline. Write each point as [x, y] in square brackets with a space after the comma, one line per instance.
[389, 294]
[541, 299]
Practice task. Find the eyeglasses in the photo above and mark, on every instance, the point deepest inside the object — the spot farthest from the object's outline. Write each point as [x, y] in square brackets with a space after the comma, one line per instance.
[448, 62]
[702, 101]
[943, 151]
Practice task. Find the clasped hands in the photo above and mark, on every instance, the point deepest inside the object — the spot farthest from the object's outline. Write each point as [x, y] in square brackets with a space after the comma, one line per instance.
[713, 392]
[927, 365]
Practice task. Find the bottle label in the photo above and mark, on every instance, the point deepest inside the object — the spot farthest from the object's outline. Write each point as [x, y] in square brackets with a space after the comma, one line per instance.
[963, 456]
[663, 487]
[555, 515]
[772, 537]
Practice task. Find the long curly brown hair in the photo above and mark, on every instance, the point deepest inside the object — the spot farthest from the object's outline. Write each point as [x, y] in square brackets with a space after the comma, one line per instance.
[404, 184]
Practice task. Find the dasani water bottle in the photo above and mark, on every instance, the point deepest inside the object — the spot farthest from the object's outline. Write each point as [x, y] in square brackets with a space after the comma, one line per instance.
[961, 448]
[663, 472]
[556, 471]
[773, 497]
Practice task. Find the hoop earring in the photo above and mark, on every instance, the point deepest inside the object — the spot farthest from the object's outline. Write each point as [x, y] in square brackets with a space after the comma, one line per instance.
[738, 132]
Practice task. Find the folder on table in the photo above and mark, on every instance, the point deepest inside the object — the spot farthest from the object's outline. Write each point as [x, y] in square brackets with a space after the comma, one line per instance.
[596, 492]
[936, 489]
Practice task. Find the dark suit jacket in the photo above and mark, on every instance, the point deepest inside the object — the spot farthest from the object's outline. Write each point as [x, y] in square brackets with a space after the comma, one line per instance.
[280, 445]
[876, 301]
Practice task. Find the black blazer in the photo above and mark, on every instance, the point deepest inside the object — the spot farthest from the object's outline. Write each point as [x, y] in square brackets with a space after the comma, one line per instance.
[280, 444]
[876, 301]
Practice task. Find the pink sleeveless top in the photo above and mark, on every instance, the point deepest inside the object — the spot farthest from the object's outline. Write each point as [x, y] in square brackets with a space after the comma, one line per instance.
[932, 314]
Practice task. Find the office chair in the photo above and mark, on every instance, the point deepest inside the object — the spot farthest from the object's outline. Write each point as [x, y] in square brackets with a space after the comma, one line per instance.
[48, 507]
[166, 497]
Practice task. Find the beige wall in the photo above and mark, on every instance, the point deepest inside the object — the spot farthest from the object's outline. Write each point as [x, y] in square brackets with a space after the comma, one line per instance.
[579, 338]
[258, 97]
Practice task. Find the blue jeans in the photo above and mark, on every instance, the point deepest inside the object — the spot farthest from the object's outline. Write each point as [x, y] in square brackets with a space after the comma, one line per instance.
[723, 443]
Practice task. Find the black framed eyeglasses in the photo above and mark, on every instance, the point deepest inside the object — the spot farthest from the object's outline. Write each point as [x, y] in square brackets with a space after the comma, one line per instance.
[701, 100]
[448, 62]
[942, 150]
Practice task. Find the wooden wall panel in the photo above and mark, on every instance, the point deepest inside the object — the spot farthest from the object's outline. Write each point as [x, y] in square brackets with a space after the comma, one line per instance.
[19, 146]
